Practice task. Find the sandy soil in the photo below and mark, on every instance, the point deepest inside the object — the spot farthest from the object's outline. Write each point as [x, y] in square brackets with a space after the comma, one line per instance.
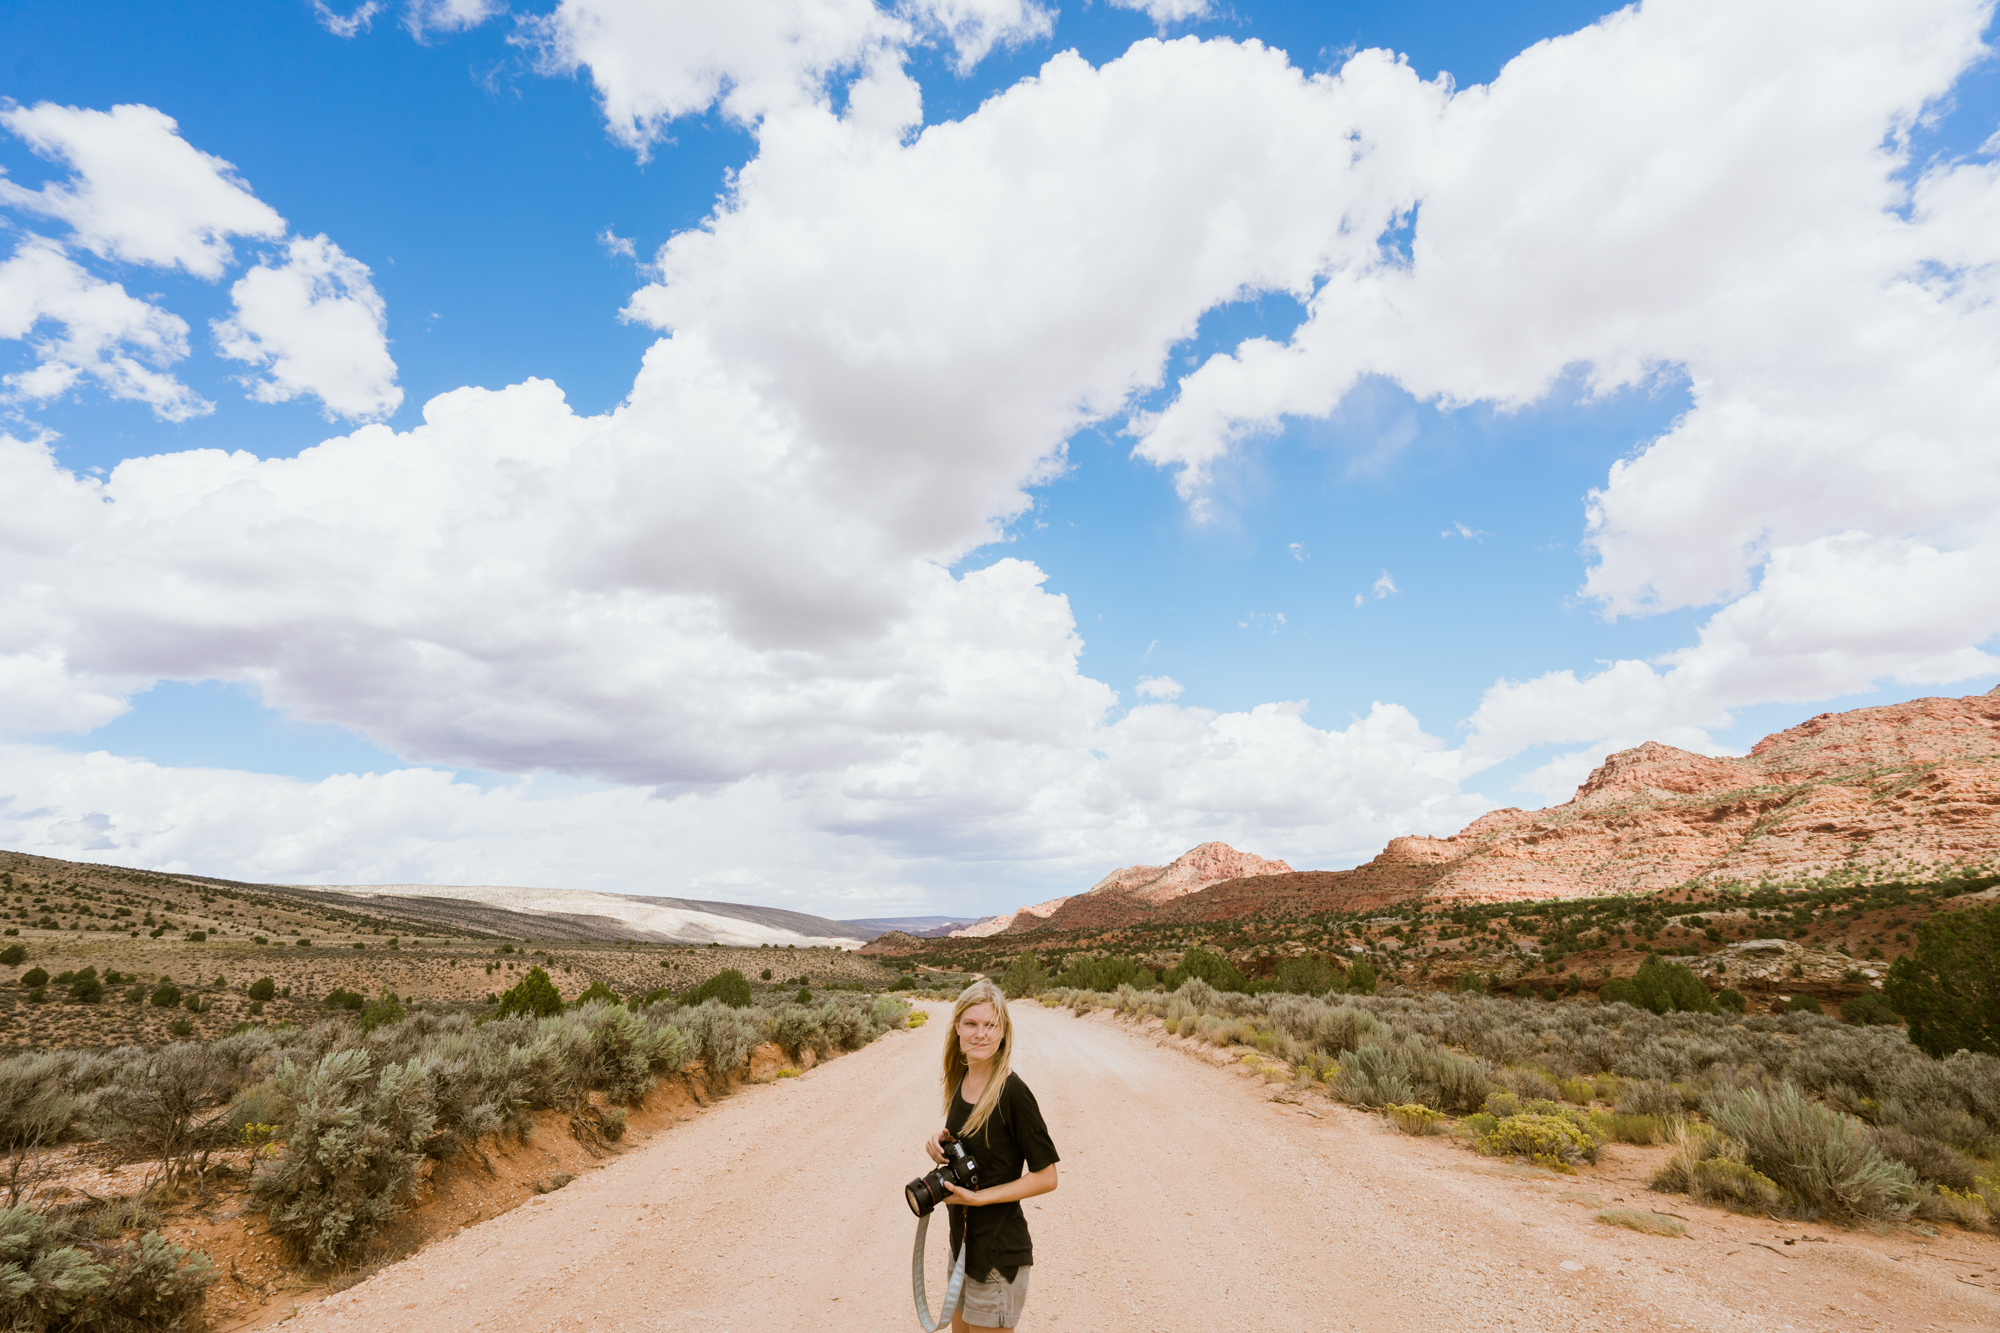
[1194, 1196]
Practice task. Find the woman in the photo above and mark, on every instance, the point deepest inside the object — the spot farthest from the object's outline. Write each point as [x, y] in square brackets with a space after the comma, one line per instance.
[990, 1110]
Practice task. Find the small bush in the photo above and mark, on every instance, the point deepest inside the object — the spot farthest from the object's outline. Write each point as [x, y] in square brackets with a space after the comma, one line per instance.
[534, 996]
[728, 986]
[350, 1000]
[166, 995]
[264, 988]
[383, 1010]
[1617, 1128]
[1934, 1163]
[1552, 1140]
[1211, 968]
[1024, 976]
[35, 976]
[1295, 976]
[1413, 1118]
[353, 1143]
[1819, 1156]
[597, 993]
[1361, 978]
[56, 1278]
[805, 996]
[1731, 999]
[1803, 1004]
[13, 955]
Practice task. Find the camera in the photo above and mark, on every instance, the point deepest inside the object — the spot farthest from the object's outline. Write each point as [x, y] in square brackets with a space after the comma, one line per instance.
[926, 1192]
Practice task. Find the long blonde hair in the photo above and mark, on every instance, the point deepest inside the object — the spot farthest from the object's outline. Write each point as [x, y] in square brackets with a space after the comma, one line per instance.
[981, 991]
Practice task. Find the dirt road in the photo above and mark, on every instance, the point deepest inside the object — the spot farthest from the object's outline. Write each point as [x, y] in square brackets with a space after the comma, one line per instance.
[1189, 1201]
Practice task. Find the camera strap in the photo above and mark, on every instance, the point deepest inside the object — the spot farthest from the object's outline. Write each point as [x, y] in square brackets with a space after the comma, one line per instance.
[951, 1289]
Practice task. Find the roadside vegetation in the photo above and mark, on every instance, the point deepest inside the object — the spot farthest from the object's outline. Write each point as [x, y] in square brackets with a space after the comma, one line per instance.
[338, 1119]
[1795, 1114]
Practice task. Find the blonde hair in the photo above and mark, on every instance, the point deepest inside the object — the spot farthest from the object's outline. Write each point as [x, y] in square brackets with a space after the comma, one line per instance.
[981, 991]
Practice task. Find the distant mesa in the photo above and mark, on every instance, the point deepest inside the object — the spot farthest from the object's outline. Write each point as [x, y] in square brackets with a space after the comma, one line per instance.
[1908, 791]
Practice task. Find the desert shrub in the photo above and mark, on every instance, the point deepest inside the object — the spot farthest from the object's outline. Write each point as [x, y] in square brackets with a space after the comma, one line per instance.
[1308, 976]
[1344, 1028]
[1529, 1082]
[1803, 1004]
[797, 1029]
[1372, 1076]
[161, 1107]
[534, 995]
[1619, 990]
[1821, 1157]
[354, 1138]
[13, 955]
[805, 996]
[1618, 1128]
[351, 1000]
[1024, 976]
[1655, 1097]
[381, 1011]
[264, 988]
[1944, 1204]
[1553, 1140]
[846, 1028]
[1199, 964]
[1869, 1009]
[54, 1277]
[1708, 1165]
[718, 1036]
[1443, 1078]
[1105, 974]
[1731, 999]
[597, 993]
[728, 987]
[889, 1013]
[35, 976]
[1361, 978]
[1933, 1162]
[1414, 1118]
[1949, 987]
[1662, 987]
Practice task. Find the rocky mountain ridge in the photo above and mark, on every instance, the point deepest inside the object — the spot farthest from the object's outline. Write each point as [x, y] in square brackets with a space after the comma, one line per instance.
[1140, 889]
[1906, 791]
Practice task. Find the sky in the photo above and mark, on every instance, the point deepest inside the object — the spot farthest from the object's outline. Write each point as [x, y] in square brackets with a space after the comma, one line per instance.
[913, 458]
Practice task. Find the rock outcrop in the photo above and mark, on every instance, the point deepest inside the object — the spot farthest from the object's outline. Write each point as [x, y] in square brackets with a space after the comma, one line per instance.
[1909, 791]
[1132, 892]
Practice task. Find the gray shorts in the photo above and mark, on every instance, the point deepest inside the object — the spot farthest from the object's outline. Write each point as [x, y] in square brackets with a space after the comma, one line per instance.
[996, 1302]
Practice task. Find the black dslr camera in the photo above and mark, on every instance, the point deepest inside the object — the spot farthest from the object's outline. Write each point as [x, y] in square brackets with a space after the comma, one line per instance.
[926, 1192]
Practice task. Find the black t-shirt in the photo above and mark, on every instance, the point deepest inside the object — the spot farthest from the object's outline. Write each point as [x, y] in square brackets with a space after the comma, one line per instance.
[1013, 1137]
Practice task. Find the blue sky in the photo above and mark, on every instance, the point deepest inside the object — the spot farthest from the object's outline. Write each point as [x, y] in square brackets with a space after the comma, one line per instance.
[1414, 539]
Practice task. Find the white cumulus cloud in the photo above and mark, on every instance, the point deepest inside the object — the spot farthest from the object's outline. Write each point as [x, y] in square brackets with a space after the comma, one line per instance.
[1159, 687]
[90, 330]
[140, 193]
[317, 326]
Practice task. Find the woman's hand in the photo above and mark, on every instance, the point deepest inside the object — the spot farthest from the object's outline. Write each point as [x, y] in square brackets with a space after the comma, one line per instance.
[963, 1196]
[934, 1146]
